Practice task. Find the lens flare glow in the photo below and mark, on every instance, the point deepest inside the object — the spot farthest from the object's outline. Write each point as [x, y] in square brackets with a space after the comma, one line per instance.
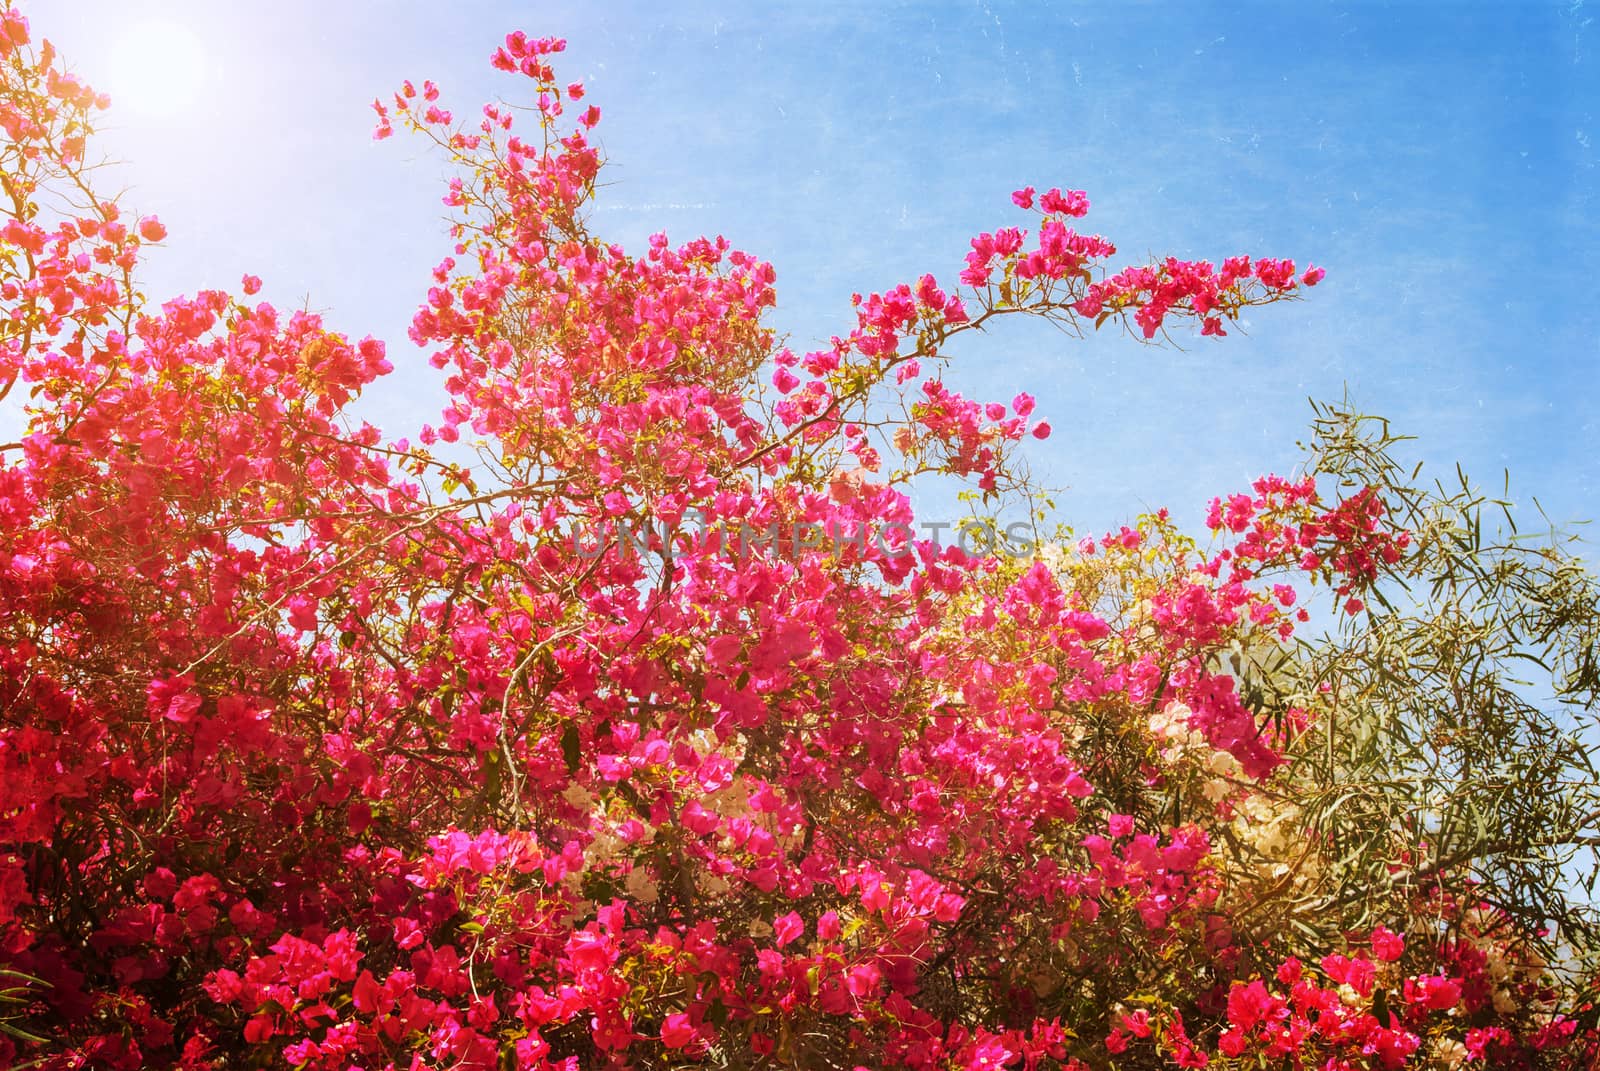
[160, 69]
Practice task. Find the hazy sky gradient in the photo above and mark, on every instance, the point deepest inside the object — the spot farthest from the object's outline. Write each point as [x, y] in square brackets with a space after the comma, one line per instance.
[1437, 159]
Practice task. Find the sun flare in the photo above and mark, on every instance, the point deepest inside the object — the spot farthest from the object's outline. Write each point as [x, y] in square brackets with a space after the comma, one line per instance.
[161, 69]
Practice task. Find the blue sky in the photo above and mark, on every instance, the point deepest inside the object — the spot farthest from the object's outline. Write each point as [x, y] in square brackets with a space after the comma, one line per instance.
[1437, 159]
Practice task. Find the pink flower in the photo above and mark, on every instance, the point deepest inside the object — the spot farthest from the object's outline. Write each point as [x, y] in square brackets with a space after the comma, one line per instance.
[303, 613]
[1137, 1023]
[1386, 944]
[589, 950]
[676, 1031]
[1042, 430]
[874, 893]
[1071, 203]
[252, 285]
[1249, 1004]
[1436, 992]
[1023, 198]
[151, 229]
[1022, 404]
[1313, 276]
[1357, 973]
[863, 980]
[788, 928]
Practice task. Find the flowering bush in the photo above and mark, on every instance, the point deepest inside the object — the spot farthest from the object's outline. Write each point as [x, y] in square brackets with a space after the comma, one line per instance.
[325, 750]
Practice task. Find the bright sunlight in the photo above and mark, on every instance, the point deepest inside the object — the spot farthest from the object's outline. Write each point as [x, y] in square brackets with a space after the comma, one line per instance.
[159, 69]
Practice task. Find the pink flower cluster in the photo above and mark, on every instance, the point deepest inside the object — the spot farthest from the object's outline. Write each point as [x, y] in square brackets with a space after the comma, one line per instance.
[326, 750]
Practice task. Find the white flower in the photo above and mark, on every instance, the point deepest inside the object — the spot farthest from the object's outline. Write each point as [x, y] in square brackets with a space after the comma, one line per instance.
[582, 910]
[1053, 555]
[1171, 721]
[1449, 1054]
[603, 848]
[642, 887]
[1224, 765]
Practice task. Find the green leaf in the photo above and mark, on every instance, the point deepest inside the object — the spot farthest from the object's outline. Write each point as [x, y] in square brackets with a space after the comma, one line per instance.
[21, 1034]
[1380, 1006]
[571, 747]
